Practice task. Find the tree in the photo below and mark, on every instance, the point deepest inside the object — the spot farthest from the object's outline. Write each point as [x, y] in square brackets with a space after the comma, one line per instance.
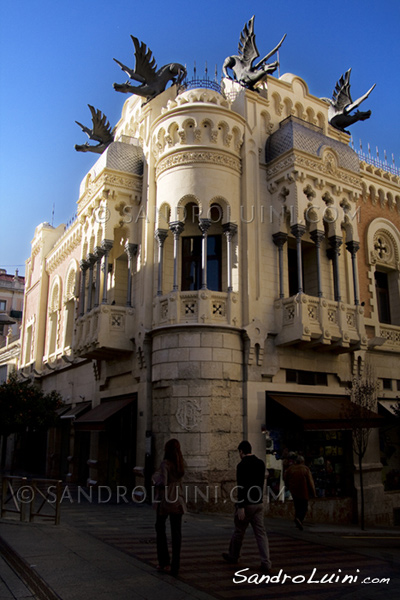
[25, 407]
[363, 393]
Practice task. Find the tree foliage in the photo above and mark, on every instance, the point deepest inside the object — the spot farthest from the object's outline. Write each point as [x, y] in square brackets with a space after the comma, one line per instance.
[23, 405]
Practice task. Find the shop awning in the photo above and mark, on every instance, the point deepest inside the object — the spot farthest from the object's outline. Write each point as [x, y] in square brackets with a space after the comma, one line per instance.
[326, 412]
[79, 409]
[387, 406]
[96, 419]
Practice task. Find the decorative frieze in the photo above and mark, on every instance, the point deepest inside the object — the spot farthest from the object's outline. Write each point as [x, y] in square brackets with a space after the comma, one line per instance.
[198, 156]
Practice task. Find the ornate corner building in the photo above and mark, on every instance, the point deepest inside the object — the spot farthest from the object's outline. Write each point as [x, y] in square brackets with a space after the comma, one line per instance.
[231, 267]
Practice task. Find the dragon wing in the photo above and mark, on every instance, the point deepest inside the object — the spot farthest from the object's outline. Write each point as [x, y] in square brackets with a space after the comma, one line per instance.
[101, 127]
[361, 99]
[341, 97]
[247, 44]
[145, 62]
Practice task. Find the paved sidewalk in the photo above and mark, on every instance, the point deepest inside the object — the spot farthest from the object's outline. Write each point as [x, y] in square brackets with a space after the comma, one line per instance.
[108, 552]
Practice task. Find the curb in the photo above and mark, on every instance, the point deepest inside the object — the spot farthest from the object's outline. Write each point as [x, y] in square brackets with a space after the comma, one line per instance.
[31, 579]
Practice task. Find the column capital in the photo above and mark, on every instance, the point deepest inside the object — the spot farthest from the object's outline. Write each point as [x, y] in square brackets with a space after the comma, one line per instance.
[91, 259]
[353, 247]
[107, 245]
[84, 265]
[230, 229]
[279, 238]
[335, 242]
[204, 225]
[317, 236]
[176, 227]
[131, 249]
[298, 230]
[161, 235]
[98, 252]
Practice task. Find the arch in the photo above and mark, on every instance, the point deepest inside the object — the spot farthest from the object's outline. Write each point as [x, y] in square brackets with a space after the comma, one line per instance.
[277, 103]
[71, 281]
[225, 207]
[321, 121]
[311, 115]
[55, 294]
[163, 216]
[288, 106]
[299, 110]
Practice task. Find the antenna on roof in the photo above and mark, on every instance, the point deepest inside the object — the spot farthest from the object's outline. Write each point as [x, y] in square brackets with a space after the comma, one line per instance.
[52, 215]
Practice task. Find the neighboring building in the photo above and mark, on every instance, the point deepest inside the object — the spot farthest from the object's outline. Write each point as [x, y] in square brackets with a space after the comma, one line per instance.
[11, 303]
[231, 266]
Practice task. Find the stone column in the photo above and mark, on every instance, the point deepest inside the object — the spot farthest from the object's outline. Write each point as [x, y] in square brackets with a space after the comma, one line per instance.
[131, 251]
[98, 253]
[334, 253]
[84, 265]
[318, 237]
[229, 230]
[353, 247]
[160, 235]
[298, 231]
[176, 227]
[91, 259]
[204, 225]
[280, 240]
[106, 246]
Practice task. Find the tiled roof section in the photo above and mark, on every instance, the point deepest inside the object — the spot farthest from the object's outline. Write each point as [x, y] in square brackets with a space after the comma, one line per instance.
[294, 133]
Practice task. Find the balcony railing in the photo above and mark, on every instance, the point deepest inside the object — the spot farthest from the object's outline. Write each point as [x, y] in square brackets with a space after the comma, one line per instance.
[319, 322]
[103, 331]
[391, 333]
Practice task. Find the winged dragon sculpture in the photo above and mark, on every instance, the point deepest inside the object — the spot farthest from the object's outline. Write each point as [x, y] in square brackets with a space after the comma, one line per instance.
[342, 104]
[101, 132]
[244, 72]
[152, 81]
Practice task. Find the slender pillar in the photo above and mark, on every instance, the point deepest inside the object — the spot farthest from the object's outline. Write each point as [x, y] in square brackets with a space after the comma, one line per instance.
[160, 235]
[131, 251]
[298, 231]
[176, 227]
[98, 253]
[204, 225]
[280, 240]
[353, 247]
[91, 259]
[106, 246]
[84, 265]
[318, 237]
[230, 230]
[335, 242]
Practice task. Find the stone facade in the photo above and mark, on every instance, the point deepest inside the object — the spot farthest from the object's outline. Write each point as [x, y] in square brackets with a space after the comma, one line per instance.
[223, 255]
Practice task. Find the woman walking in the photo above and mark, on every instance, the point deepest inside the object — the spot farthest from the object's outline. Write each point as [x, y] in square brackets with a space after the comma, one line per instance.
[170, 503]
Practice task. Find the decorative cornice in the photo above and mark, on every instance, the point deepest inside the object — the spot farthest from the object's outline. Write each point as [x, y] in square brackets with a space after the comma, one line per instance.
[64, 250]
[315, 164]
[109, 178]
[190, 157]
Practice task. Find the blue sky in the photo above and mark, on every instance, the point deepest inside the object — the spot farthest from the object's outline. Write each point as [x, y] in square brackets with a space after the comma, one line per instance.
[56, 57]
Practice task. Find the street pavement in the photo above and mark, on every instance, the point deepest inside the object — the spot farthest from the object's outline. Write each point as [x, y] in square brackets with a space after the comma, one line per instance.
[107, 551]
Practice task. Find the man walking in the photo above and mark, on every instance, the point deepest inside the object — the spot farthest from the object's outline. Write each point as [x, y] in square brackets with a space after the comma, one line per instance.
[250, 475]
[299, 480]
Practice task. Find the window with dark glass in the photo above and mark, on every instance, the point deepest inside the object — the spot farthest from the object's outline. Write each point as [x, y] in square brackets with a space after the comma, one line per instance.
[382, 296]
[191, 263]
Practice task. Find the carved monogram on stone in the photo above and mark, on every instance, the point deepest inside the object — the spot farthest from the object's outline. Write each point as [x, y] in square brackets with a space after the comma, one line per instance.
[188, 414]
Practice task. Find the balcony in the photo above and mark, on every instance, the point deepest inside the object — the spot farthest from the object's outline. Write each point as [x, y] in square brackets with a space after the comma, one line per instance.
[391, 334]
[320, 323]
[198, 306]
[104, 331]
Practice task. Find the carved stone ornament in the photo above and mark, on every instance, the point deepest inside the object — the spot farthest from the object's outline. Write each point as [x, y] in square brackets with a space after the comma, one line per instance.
[342, 104]
[101, 132]
[241, 64]
[152, 82]
[188, 414]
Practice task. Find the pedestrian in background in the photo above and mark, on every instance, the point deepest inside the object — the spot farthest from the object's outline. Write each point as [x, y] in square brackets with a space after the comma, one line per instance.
[250, 475]
[169, 503]
[299, 480]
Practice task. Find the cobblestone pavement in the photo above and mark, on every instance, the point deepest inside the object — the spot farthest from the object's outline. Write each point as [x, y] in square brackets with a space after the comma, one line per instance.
[299, 556]
[108, 552]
